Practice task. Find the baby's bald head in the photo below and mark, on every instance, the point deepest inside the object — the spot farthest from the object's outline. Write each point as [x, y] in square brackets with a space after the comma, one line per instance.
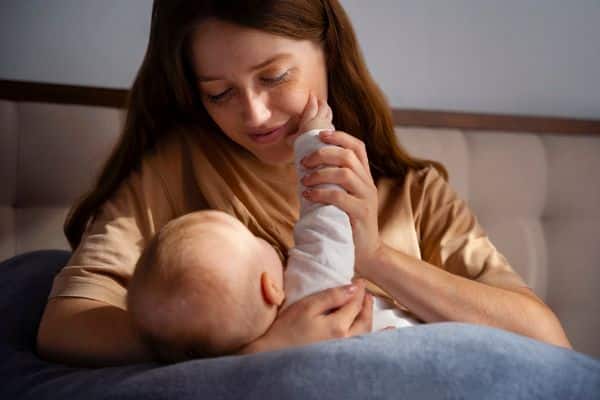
[199, 287]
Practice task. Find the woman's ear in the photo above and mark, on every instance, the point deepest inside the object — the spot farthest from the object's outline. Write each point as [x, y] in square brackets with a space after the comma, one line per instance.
[271, 291]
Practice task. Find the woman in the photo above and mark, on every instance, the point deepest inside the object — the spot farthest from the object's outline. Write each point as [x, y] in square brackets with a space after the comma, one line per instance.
[220, 89]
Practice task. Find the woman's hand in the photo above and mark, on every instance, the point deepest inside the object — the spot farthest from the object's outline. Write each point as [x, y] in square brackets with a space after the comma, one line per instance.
[334, 313]
[347, 165]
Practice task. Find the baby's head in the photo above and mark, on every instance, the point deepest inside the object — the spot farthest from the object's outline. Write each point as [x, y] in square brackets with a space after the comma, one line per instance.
[205, 286]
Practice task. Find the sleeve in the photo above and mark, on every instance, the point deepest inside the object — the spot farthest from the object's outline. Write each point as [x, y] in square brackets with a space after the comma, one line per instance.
[451, 237]
[102, 264]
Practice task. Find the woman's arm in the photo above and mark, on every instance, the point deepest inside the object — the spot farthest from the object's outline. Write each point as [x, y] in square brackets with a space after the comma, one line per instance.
[79, 330]
[86, 332]
[431, 293]
[434, 294]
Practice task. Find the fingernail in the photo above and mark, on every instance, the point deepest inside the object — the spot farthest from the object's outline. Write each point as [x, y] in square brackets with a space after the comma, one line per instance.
[325, 133]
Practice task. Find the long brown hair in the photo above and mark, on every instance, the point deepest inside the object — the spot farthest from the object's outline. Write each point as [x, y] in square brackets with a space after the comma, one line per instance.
[164, 96]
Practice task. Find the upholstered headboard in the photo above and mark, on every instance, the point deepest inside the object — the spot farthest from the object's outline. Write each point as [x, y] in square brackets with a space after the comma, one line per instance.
[533, 183]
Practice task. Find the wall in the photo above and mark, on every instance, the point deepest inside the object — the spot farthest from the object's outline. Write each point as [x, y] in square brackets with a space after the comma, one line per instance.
[520, 57]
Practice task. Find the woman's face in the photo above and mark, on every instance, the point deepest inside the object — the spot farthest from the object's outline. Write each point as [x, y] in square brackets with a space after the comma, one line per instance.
[253, 82]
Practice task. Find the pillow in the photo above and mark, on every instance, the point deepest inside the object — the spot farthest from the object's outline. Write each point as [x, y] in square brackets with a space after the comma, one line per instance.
[441, 360]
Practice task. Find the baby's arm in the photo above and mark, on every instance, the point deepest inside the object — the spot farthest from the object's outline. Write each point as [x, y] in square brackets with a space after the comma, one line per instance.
[323, 255]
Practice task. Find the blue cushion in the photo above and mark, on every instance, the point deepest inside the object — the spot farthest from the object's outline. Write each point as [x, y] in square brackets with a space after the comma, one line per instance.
[442, 360]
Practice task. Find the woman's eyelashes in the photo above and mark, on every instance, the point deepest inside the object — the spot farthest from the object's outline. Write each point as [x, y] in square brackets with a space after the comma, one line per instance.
[276, 79]
[268, 81]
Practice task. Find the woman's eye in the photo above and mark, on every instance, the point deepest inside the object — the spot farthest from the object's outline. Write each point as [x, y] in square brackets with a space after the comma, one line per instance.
[218, 97]
[280, 78]
[271, 81]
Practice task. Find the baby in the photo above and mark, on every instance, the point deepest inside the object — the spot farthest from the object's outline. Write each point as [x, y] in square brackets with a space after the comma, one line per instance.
[206, 286]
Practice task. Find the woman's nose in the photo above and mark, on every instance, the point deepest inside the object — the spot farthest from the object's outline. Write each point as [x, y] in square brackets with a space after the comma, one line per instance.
[255, 109]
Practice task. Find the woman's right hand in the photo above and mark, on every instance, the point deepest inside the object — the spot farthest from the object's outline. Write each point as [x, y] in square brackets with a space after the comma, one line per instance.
[334, 313]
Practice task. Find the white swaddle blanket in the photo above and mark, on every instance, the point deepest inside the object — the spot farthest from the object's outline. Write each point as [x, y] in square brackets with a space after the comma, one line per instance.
[323, 252]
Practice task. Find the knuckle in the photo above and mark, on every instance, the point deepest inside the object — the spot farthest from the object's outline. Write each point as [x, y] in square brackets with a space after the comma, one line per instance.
[347, 156]
[345, 173]
[336, 196]
[338, 295]
[338, 331]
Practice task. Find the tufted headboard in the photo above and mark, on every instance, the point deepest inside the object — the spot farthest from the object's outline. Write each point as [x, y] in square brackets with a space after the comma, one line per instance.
[533, 183]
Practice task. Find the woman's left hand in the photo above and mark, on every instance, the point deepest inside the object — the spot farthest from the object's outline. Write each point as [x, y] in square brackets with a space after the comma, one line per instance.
[347, 166]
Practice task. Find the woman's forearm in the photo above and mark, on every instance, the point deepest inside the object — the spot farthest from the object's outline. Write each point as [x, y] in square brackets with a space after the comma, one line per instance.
[88, 333]
[434, 295]
[259, 345]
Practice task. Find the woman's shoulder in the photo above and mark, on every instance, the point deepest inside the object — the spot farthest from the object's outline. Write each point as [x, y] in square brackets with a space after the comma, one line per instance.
[162, 167]
[418, 188]
[177, 146]
[173, 162]
[426, 175]
[415, 180]
[167, 150]
[175, 152]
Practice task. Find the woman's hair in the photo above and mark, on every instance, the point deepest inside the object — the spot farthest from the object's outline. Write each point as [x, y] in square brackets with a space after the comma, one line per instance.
[164, 95]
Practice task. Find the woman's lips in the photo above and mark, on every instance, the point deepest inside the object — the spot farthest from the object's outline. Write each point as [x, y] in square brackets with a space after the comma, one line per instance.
[269, 137]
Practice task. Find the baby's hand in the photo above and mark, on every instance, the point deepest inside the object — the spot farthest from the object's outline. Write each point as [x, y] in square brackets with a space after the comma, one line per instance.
[316, 115]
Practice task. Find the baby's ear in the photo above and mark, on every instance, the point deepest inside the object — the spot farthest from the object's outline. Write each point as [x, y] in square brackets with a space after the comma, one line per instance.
[271, 291]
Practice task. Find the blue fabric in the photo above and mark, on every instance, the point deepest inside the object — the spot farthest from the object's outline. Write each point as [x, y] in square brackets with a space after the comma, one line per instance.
[434, 361]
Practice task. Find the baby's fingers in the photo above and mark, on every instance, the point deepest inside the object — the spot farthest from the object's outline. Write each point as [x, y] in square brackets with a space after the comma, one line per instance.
[310, 110]
[324, 110]
[364, 320]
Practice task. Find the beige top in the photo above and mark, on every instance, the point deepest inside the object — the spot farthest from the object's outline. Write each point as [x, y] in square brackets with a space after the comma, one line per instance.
[420, 215]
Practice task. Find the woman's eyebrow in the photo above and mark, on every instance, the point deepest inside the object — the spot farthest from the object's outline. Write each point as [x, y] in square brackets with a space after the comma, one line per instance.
[276, 57]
